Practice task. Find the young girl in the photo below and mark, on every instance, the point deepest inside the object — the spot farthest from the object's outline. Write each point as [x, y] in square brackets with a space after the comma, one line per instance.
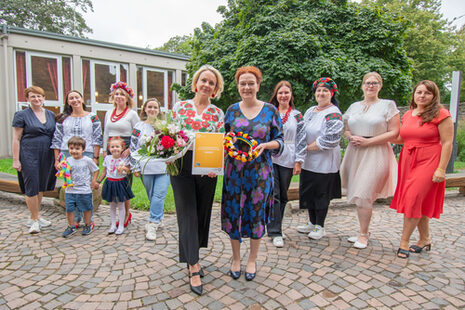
[116, 189]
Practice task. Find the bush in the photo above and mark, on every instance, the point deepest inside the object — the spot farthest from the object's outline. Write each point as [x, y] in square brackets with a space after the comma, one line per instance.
[461, 143]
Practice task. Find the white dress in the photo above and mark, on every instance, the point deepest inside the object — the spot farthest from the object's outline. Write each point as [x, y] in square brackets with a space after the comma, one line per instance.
[369, 173]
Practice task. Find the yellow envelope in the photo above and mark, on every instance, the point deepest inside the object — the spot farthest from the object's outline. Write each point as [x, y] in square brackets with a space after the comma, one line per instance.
[208, 153]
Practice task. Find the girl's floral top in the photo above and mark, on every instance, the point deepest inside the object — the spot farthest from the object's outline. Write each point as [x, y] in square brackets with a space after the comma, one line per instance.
[211, 119]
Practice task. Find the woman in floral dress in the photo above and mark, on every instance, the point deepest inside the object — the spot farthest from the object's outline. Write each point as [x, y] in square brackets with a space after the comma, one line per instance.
[248, 186]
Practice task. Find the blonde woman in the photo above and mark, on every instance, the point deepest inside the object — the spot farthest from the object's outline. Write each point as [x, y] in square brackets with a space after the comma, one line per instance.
[369, 168]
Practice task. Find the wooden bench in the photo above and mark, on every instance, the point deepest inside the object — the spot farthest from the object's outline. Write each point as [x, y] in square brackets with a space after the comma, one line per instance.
[452, 180]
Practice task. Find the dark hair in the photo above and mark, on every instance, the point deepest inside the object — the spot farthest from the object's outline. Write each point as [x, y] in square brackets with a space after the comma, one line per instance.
[249, 69]
[77, 141]
[143, 114]
[274, 99]
[431, 110]
[67, 109]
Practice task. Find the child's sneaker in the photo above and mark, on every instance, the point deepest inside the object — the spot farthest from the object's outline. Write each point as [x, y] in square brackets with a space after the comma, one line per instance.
[119, 231]
[87, 230]
[112, 229]
[69, 231]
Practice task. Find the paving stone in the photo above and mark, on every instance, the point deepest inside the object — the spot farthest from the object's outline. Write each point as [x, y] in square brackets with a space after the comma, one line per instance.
[104, 272]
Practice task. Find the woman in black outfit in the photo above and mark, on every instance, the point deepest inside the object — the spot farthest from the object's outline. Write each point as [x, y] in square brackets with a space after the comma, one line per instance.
[193, 194]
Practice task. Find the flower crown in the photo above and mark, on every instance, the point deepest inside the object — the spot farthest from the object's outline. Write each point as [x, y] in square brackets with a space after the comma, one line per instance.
[123, 86]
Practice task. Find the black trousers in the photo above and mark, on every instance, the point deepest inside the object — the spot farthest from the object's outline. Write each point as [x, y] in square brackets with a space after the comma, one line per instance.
[193, 197]
[282, 180]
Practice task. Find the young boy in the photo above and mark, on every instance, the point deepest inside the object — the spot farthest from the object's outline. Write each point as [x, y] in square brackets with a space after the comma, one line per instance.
[84, 173]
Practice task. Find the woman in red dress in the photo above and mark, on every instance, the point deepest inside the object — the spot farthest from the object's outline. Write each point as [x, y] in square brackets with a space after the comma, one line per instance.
[427, 133]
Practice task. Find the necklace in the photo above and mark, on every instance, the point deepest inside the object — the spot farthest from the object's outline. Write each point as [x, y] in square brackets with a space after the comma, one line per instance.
[286, 116]
[318, 109]
[116, 117]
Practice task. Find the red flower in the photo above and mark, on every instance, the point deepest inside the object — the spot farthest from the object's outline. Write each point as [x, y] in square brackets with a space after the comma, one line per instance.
[188, 105]
[211, 110]
[207, 117]
[205, 124]
[196, 125]
[167, 142]
[215, 118]
[188, 121]
[174, 115]
[182, 111]
[190, 113]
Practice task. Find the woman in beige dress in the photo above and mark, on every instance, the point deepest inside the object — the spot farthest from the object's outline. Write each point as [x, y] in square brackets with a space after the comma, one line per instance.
[369, 168]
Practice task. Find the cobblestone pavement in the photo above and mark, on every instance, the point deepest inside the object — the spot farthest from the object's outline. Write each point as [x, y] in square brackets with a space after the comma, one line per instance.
[100, 271]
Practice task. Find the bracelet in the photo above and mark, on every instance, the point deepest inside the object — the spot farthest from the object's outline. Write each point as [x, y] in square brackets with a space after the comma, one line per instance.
[442, 170]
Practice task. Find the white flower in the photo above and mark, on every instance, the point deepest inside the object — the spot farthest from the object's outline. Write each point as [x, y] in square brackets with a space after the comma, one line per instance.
[173, 129]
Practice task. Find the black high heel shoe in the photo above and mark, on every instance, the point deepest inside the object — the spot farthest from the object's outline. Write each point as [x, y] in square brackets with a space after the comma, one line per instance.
[249, 276]
[403, 252]
[235, 274]
[417, 249]
[196, 289]
[200, 271]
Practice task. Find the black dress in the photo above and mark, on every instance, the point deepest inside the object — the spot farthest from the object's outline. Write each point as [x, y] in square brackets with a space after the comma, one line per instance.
[37, 159]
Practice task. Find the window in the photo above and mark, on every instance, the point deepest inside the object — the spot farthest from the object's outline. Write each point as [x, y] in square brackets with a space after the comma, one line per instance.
[155, 83]
[50, 72]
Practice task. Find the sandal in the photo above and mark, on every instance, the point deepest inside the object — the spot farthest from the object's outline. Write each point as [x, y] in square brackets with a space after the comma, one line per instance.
[417, 249]
[406, 253]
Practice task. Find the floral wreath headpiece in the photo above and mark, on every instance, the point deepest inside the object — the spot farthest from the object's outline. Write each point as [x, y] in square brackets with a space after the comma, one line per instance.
[326, 82]
[117, 138]
[123, 86]
[240, 155]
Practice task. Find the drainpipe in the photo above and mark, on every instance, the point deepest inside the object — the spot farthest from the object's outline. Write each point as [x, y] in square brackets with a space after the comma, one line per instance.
[4, 38]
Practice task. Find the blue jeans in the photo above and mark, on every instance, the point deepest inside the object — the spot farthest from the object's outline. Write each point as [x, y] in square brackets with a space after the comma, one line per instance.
[78, 214]
[156, 186]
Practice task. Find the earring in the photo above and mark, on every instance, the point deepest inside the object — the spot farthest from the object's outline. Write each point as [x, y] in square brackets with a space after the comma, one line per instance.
[213, 95]
[196, 90]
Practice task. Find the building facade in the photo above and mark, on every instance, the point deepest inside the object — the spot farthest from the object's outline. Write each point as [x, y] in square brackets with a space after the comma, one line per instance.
[60, 63]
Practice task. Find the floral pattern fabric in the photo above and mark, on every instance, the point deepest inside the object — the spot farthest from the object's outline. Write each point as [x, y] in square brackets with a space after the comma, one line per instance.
[248, 187]
[211, 119]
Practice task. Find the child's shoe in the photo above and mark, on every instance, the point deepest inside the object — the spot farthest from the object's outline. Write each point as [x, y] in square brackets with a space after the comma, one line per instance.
[87, 230]
[69, 231]
[119, 231]
[112, 229]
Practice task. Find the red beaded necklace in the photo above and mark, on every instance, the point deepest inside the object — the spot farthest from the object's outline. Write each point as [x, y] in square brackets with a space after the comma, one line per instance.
[116, 117]
[286, 116]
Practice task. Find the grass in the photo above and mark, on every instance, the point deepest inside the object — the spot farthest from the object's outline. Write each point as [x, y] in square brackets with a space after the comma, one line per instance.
[141, 202]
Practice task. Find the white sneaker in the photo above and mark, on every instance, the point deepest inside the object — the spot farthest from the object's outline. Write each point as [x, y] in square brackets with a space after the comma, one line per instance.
[317, 233]
[35, 227]
[305, 229]
[120, 230]
[278, 241]
[284, 236]
[352, 239]
[151, 229]
[112, 229]
[42, 222]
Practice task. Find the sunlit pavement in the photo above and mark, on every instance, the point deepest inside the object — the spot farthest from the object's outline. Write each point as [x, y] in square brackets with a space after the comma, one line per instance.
[103, 271]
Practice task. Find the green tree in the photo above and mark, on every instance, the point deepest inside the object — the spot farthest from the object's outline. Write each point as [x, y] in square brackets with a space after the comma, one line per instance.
[59, 16]
[456, 60]
[178, 45]
[301, 41]
[427, 39]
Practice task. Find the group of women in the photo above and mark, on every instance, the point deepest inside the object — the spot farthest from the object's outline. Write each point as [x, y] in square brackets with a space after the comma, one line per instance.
[39, 137]
[287, 143]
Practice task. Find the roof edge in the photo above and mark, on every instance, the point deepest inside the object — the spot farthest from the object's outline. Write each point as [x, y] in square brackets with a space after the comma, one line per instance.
[62, 37]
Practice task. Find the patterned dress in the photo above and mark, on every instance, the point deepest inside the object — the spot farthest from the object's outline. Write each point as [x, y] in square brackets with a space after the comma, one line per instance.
[248, 187]
[211, 119]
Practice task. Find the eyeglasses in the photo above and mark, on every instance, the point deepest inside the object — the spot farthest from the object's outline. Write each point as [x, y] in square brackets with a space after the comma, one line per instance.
[372, 84]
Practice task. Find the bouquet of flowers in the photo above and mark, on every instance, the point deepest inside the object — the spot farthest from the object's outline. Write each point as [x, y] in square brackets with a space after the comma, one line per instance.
[167, 143]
